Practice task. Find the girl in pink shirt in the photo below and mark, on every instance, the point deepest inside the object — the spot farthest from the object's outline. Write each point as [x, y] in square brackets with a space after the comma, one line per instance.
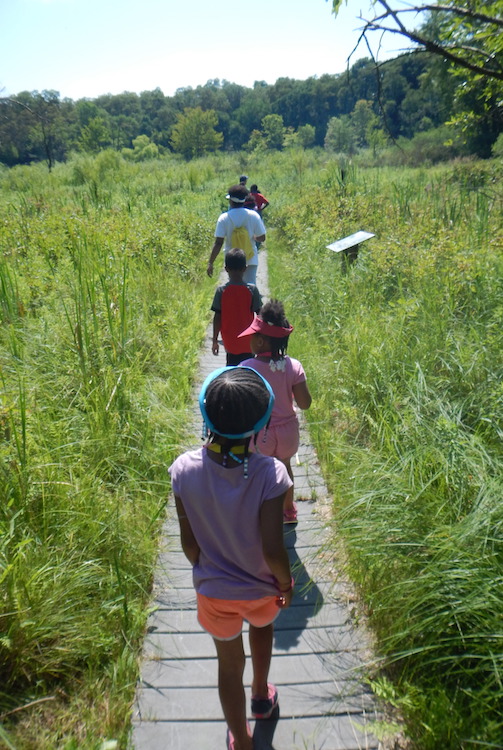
[269, 341]
[229, 504]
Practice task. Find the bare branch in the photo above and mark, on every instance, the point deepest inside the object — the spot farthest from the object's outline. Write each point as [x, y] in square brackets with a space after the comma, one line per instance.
[436, 48]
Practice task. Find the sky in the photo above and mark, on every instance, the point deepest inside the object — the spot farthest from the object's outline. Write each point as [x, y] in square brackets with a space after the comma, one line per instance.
[85, 48]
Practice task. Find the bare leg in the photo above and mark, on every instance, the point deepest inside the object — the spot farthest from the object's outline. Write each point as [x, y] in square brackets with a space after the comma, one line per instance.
[231, 664]
[288, 501]
[261, 651]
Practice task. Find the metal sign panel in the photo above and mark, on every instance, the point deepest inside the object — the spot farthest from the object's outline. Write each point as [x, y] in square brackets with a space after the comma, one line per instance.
[350, 241]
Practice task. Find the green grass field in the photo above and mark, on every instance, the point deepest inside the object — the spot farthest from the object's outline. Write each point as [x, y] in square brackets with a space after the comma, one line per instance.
[104, 303]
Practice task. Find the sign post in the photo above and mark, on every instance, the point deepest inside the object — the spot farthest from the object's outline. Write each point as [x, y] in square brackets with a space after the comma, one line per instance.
[349, 246]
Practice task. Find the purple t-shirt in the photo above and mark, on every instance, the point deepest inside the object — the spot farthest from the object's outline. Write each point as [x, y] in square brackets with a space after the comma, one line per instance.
[223, 511]
[281, 382]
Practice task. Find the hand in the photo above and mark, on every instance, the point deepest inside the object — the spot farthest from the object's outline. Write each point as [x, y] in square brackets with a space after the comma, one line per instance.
[215, 348]
[284, 600]
[209, 269]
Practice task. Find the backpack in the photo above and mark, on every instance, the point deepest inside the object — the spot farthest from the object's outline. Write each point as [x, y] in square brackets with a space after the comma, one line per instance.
[240, 238]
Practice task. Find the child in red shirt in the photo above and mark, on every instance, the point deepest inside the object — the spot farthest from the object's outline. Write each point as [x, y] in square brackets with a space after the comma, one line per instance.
[234, 304]
[261, 201]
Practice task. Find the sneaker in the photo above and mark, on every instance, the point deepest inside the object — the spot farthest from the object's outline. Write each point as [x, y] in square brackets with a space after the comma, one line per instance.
[262, 708]
[290, 515]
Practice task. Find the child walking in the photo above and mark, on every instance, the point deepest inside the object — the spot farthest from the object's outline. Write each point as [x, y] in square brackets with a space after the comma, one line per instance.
[229, 503]
[270, 331]
[234, 304]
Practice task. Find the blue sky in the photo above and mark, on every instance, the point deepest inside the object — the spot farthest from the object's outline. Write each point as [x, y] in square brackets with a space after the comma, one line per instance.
[84, 48]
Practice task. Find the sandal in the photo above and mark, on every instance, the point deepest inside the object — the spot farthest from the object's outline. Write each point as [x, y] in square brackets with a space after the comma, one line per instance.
[290, 515]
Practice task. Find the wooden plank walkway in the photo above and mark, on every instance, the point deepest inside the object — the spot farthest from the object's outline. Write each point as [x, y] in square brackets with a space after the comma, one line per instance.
[319, 654]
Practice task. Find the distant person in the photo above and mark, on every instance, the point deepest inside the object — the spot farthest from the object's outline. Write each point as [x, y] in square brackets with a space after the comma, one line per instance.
[229, 504]
[261, 201]
[243, 179]
[250, 202]
[270, 332]
[235, 217]
[234, 304]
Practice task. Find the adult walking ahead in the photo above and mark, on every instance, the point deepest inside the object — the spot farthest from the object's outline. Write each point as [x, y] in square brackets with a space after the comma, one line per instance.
[238, 216]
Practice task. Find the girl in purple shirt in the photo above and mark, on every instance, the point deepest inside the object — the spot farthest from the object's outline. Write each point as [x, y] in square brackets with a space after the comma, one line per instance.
[229, 503]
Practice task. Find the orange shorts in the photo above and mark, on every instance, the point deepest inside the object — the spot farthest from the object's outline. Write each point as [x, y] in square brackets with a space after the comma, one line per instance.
[223, 618]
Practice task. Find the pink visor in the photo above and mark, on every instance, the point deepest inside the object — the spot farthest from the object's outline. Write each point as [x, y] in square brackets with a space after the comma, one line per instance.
[267, 329]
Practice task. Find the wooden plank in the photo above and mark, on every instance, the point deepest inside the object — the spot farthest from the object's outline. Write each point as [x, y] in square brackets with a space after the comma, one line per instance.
[319, 656]
[285, 670]
[198, 645]
[202, 703]
[333, 733]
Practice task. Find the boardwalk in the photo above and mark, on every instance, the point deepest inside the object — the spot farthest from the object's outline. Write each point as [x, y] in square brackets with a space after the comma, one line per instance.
[318, 651]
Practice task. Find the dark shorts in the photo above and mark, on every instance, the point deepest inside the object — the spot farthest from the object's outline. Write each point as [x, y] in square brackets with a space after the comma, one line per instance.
[235, 359]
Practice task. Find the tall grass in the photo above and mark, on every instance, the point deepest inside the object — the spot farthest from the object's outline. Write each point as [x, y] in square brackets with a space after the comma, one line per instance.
[104, 302]
[404, 359]
[103, 305]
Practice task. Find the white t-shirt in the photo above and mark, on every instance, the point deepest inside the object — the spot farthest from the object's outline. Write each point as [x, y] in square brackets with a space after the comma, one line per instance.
[240, 217]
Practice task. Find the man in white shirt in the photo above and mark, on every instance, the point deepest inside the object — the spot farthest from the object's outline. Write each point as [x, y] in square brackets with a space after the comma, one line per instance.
[240, 217]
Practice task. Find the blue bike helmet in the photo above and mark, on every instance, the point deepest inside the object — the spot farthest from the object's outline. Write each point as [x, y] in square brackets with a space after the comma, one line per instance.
[236, 402]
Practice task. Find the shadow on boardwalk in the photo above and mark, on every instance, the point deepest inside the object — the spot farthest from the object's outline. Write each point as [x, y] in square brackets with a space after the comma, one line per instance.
[319, 655]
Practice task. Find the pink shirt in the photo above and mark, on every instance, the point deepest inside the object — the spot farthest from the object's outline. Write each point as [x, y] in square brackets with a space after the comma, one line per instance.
[281, 382]
[223, 510]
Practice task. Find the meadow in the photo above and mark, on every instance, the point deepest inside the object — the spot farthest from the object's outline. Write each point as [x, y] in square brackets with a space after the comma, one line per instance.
[104, 303]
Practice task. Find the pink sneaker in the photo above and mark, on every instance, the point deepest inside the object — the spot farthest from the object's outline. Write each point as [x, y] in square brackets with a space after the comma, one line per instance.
[262, 708]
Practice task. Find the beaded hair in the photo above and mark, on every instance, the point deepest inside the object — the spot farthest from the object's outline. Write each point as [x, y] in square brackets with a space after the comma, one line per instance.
[274, 312]
[236, 402]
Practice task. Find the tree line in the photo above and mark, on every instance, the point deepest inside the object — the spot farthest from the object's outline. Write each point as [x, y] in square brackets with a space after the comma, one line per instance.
[413, 95]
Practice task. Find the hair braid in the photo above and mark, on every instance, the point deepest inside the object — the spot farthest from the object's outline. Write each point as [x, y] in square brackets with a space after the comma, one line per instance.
[274, 312]
[236, 400]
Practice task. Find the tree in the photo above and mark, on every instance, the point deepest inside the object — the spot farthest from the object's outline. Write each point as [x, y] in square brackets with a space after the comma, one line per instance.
[274, 131]
[194, 133]
[35, 129]
[143, 149]
[363, 121]
[340, 136]
[256, 142]
[306, 136]
[95, 135]
[466, 33]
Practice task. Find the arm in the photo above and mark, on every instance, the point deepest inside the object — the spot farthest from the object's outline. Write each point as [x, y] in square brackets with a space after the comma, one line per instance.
[187, 538]
[217, 321]
[301, 395]
[258, 227]
[273, 546]
[217, 246]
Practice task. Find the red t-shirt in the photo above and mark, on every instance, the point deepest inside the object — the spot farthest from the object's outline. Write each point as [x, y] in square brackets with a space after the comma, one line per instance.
[236, 303]
[260, 201]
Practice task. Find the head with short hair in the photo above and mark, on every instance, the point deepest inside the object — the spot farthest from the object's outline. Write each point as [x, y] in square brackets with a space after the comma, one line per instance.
[236, 402]
[235, 260]
[253, 189]
[237, 194]
[242, 179]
